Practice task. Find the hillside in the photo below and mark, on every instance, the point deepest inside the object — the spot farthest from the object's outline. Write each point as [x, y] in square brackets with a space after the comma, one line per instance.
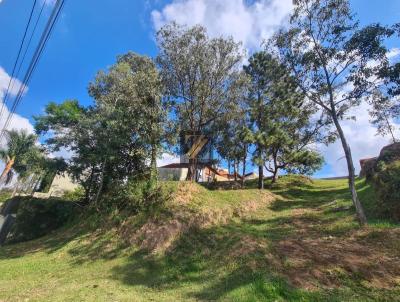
[297, 241]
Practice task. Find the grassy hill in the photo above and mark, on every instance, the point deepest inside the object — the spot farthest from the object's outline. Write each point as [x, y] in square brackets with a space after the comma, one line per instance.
[297, 241]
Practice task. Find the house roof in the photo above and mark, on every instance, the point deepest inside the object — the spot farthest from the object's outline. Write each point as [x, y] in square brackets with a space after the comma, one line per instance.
[220, 172]
[176, 165]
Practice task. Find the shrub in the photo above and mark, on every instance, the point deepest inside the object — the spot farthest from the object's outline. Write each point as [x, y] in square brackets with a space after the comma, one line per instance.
[76, 195]
[135, 196]
[38, 217]
[386, 182]
[4, 195]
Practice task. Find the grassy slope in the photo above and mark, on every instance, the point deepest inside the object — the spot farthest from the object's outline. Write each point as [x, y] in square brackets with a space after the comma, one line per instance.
[302, 246]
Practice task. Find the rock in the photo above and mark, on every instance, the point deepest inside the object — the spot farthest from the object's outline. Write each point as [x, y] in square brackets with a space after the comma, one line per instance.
[368, 167]
[390, 153]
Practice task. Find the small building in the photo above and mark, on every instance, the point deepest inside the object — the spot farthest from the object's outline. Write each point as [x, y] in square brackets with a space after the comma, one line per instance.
[61, 184]
[198, 148]
[205, 173]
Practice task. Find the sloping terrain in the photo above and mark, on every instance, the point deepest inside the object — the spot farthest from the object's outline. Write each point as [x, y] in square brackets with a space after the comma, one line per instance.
[297, 241]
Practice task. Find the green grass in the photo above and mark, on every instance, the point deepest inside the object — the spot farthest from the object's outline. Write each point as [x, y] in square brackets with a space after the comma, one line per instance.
[301, 245]
[4, 195]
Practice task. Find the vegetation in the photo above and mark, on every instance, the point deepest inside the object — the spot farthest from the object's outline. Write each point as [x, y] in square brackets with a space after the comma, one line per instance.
[282, 127]
[123, 235]
[386, 180]
[200, 76]
[301, 244]
[338, 55]
[20, 156]
[37, 217]
[288, 99]
[117, 137]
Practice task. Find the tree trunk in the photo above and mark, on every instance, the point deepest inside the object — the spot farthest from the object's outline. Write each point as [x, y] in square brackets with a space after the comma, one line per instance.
[275, 176]
[244, 167]
[89, 187]
[261, 177]
[153, 165]
[191, 170]
[7, 169]
[103, 168]
[235, 170]
[362, 219]
[390, 130]
[276, 169]
[36, 185]
[15, 189]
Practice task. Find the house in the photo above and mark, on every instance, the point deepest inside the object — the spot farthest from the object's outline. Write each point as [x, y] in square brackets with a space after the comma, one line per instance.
[205, 173]
[197, 147]
[59, 186]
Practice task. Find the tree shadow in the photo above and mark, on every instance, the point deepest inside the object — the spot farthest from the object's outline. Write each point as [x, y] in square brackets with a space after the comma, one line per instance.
[265, 259]
[217, 260]
[256, 257]
[49, 243]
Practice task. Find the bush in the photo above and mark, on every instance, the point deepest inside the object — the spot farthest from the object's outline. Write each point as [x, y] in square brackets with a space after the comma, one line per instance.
[38, 217]
[4, 195]
[386, 182]
[135, 196]
[76, 195]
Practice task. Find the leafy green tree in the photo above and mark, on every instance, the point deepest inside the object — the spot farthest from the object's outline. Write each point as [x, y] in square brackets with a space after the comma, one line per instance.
[200, 77]
[19, 155]
[282, 124]
[258, 84]
[119, 137]
[390, 73]
[333, 61]
[384, 109]
[131, 93]
[386, 100]
[233, 142]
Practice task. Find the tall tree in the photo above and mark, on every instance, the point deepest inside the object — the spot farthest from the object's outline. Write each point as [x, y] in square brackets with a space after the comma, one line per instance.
[383, 110]
[232, 142]
[283, 124]
[385, 105]
[333, 61]
[19, 154]
[119, 137]
[199, 75]
[255, 70]
[132, 88]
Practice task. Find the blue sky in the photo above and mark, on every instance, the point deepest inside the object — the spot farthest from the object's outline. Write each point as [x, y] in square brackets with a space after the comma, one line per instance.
[91, 33]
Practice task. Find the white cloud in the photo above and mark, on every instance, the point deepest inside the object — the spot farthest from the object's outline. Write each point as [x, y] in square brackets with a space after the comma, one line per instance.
[362, 138]
[166, 159]
[5, 80]
[252, 24]
[49, 2]
[63, 153]
[360, 133]
[393, 53]
[247, 23]
[17, 122]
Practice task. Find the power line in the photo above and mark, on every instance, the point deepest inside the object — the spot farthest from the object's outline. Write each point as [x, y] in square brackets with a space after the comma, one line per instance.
[16, 61]
[32, 66]
[27, 48]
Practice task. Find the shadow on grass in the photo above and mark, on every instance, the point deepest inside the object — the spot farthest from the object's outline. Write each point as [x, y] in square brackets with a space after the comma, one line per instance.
[49, 243]
[223, 262]
[253, 259]
[312, 197]
[263, 260]
[284, 181]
